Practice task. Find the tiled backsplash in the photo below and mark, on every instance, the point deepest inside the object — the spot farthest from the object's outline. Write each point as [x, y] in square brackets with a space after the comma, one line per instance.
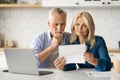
[21, 24]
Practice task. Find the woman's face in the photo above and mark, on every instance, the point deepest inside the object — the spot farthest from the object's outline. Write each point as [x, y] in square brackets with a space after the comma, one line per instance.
[81, 29]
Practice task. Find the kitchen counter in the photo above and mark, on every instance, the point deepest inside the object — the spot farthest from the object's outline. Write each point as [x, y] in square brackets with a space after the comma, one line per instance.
[114, 50]
[1, 50]
[110, 50]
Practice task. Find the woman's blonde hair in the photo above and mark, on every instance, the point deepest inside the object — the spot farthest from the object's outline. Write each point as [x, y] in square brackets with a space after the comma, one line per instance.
[91, 27]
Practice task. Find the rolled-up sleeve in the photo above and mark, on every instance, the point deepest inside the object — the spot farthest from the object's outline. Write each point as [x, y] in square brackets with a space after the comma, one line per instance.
[36, 46]
[104, 61]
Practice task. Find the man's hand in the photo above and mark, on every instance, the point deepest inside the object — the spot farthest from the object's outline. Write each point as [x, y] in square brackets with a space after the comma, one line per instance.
[56, 40]
[60, 63]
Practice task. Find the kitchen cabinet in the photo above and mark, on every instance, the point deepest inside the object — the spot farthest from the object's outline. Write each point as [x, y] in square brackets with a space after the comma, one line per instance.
[58, 3]
[80, 3]
[1, 50]
[3, 64]
[68, 3]
[20, 5]
[100, 3]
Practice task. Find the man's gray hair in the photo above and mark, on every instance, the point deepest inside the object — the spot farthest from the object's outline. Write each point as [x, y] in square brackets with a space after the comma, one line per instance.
[57, 10]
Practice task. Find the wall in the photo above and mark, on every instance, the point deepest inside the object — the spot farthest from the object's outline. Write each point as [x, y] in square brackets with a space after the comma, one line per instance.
[21, 24]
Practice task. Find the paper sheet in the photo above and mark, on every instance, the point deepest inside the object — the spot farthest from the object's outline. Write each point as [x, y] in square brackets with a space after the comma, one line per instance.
[99, 74]
[73, 53]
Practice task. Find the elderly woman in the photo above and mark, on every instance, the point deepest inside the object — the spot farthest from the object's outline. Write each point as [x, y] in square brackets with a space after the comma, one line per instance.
[96, 55]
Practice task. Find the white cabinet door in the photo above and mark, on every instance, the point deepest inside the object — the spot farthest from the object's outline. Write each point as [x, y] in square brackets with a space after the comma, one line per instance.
[99, 3]
[79, 3]
[58, 3]
[114, 2]
[3, 64]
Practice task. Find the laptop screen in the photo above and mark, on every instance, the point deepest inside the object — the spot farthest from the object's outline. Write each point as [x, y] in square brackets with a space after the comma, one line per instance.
[21, 61]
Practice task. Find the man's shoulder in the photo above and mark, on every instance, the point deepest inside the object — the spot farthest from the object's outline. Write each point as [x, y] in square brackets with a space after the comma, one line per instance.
[41, 35]
[67, 33]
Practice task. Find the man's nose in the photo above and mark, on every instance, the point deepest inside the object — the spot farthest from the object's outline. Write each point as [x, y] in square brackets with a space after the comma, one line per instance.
[59, 27]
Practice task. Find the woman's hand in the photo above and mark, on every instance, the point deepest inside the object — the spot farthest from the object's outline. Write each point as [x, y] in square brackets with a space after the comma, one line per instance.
[90, 58]
[60, 63]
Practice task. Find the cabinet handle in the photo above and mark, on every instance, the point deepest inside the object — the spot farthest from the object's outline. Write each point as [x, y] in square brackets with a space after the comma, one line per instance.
[103, 3]
[108, 3]
[77, 3]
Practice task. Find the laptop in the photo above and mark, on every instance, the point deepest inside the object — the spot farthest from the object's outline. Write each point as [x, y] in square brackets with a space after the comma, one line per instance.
[22, 61]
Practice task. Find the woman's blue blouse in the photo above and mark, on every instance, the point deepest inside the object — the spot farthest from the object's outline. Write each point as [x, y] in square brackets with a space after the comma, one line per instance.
[99, 51]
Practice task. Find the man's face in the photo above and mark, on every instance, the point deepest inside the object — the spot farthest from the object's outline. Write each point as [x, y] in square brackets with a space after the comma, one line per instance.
[57, 24]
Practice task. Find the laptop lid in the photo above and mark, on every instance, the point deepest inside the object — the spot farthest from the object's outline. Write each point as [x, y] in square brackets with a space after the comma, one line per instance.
[21, 61]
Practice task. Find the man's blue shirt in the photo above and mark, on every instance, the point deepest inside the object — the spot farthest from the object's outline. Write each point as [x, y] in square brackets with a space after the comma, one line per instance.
[43, 40]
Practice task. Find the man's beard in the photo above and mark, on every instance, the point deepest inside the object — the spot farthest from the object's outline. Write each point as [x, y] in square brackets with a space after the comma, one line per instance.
[58, 34]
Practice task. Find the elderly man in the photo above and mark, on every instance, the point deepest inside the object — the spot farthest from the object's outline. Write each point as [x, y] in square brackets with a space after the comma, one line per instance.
[46, 44]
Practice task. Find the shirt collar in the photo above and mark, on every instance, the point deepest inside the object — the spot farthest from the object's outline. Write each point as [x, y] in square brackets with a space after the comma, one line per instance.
[49, 36]
[63, 39]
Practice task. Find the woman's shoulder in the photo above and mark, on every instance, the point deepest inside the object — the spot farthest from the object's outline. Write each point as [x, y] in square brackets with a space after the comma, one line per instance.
[99, 38]
[99, 41]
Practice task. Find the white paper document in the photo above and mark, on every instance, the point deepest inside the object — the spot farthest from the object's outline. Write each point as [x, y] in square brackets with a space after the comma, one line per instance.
[99, 74]
[73, 53]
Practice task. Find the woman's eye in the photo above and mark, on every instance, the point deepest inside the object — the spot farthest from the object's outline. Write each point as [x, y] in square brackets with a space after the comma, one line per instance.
[62, 24]
[84, 25]
[77, 24]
